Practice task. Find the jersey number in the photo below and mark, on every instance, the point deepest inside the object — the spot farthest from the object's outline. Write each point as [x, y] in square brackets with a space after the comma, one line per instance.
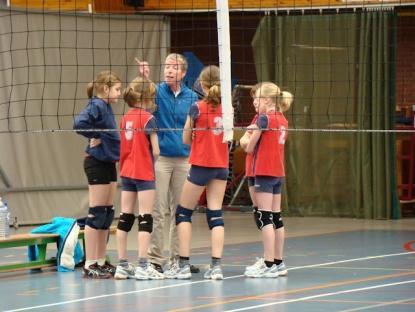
[218, 125]
[129, 132]
[283, 136]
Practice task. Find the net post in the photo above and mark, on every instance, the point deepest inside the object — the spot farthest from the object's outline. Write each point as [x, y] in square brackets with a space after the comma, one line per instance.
[224, 46]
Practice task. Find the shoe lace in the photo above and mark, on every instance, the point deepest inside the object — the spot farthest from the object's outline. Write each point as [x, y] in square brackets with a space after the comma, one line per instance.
[93, 270]
[174, 267]
[259, 262]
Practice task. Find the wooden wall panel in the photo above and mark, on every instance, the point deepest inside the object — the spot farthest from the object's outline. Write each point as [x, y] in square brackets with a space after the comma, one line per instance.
[113, 6]
[53, 5]
[234, 4]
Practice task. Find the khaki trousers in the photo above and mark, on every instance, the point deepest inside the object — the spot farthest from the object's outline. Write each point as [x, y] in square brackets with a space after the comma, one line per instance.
[171, 173]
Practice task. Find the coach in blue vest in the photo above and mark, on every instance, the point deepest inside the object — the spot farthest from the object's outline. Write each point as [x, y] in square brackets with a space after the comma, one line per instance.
[173, 101]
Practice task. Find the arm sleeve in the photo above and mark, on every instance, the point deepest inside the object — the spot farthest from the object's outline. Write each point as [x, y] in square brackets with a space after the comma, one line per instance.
[86, 120]
[151, 126]
[262, 122]
[194, 111]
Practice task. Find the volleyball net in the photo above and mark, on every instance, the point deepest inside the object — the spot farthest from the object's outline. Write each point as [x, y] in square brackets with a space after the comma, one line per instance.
[347, 63]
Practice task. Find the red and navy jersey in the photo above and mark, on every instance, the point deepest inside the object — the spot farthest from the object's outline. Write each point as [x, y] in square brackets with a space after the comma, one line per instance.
[249, 172]
[207, 148]
[269, 151]
[136, 157]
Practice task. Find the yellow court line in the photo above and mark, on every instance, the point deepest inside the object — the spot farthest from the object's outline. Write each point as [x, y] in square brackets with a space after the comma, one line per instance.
[28, 292]
[53, 288]
[294, 291]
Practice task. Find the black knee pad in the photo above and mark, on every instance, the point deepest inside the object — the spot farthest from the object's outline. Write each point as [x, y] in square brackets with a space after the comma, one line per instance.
[145, 223]
[277, 220]
[96, 217]
[109, 217]
[183, 215]
[126, 222]
[214, 218]
[263, 218]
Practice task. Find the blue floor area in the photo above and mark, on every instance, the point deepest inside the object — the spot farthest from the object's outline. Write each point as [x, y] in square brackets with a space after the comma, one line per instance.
[352, 271]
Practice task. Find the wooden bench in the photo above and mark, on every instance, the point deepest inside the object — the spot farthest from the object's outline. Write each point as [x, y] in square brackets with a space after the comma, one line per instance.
[41, 240]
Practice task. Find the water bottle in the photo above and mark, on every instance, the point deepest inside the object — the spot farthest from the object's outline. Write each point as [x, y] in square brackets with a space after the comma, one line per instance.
[4, 220]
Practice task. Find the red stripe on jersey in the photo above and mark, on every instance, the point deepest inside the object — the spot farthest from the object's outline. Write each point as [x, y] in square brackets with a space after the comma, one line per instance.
[207, 148]
[136, 157]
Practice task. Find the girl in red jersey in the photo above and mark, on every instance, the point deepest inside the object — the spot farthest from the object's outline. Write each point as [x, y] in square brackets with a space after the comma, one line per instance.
[266, 143]
[139, 150]
[209, 170]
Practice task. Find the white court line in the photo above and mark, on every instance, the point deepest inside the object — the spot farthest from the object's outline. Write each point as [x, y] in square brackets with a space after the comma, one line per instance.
[351, 260]
[320, 296]
[378, 305]
[196, 282]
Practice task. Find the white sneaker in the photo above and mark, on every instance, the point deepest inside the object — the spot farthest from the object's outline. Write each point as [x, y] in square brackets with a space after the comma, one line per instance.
[141, 273]
[175, 271]
[214, 273]
[282, 269]
[259, 263]
[124, 272]
[173, 267]
[272, 271]
[153, 273]
[264, 271]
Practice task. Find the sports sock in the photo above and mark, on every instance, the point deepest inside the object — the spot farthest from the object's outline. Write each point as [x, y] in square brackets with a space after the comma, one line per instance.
[183, 261]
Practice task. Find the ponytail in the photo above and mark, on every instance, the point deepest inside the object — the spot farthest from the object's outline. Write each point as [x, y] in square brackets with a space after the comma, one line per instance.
[90, 89]
[210, 79]
[284, 101]
[214, 96]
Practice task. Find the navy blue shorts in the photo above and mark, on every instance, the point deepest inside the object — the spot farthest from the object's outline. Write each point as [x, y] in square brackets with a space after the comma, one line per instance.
[266, 184]
[135, 185]
[202, 175]
[99, 172]
[251, 181]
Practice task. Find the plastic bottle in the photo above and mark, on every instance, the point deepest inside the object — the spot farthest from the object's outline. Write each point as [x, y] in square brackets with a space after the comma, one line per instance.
[4, 220]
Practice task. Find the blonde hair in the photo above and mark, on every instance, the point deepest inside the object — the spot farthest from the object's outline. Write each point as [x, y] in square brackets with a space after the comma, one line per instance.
[104, 78]
[141, 90]
[254, 88]
[210, 79]
[282, 99]
[180, 59]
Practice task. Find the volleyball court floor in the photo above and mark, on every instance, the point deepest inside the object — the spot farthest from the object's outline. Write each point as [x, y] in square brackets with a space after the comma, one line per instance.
[334, 265]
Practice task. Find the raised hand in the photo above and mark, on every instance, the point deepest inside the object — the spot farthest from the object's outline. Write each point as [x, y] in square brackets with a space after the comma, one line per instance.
[143, 68]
